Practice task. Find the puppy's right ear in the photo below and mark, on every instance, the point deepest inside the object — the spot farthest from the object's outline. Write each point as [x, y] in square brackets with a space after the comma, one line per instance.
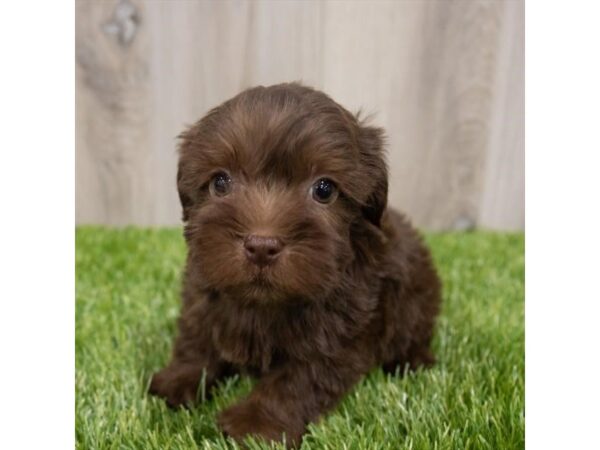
[184, 198]
[185, 188]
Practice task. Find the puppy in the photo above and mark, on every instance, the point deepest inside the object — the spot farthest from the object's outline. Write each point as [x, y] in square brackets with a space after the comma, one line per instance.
[296, 272]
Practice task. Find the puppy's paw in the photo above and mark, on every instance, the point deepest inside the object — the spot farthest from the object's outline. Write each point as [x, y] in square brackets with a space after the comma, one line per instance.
[250, 418]
[177, 384]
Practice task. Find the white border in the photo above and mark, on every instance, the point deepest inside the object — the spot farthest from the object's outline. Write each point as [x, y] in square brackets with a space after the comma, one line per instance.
[562, 224]
[36, 232]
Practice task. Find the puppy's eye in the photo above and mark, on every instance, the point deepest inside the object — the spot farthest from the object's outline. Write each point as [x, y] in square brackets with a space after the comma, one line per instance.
[324, 191]
[220, 184]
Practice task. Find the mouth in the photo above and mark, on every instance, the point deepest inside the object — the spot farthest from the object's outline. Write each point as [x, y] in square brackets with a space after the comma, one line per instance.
[260, 279]
[260, 285]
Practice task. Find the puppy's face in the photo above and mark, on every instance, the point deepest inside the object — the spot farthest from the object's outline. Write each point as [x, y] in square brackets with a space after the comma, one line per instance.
[278, 185]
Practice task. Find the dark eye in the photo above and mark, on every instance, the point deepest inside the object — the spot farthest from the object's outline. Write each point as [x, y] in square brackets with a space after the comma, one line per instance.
[324, 191]
[220, 184]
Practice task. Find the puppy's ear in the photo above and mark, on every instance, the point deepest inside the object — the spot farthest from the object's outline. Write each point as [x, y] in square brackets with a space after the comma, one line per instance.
[371, 142]
[185, 187]
[184, 198]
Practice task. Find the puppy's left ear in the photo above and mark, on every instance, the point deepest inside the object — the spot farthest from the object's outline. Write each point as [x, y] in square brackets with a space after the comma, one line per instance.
[371, 142]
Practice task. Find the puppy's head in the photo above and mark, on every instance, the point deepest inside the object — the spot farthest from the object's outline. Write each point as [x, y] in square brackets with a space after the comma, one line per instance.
[281, 189]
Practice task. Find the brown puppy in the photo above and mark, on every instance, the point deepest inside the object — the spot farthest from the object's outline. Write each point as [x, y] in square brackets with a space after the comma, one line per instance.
[296, 271]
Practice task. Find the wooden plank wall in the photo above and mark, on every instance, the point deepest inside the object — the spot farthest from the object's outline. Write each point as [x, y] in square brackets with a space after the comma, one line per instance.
[445, 78]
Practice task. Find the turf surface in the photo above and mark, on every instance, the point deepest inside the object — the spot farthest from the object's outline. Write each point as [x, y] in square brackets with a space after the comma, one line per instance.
[127, 301]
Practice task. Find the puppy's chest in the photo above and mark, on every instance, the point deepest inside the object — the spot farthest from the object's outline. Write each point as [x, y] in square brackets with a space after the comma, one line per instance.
[258, 340]
[248, 340]
[243, 346]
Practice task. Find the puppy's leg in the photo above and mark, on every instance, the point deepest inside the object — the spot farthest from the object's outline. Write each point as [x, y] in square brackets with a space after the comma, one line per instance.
[194, 360]
[286, 400]
[414, 355]
[417, 356]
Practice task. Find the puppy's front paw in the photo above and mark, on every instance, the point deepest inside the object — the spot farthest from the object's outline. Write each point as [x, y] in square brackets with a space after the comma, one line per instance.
[250, 418]
[177, 384]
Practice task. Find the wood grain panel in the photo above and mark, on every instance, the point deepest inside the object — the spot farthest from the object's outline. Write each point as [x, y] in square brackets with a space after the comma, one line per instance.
[502, 203]
[113, 164]
[444, 78]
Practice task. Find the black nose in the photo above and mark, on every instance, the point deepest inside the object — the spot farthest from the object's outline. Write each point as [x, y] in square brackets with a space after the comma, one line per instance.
[262, 250]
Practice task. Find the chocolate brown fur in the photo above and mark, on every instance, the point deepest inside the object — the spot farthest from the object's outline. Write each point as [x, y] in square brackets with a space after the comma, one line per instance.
[353, 287]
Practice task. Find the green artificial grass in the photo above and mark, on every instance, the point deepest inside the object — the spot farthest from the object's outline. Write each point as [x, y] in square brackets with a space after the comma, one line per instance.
[127, 301]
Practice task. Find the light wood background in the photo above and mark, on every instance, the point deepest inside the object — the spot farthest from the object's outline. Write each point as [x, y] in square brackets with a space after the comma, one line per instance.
[445, 79]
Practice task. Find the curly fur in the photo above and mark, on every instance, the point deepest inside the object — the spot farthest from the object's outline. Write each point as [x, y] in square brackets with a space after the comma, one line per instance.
[353, 288]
